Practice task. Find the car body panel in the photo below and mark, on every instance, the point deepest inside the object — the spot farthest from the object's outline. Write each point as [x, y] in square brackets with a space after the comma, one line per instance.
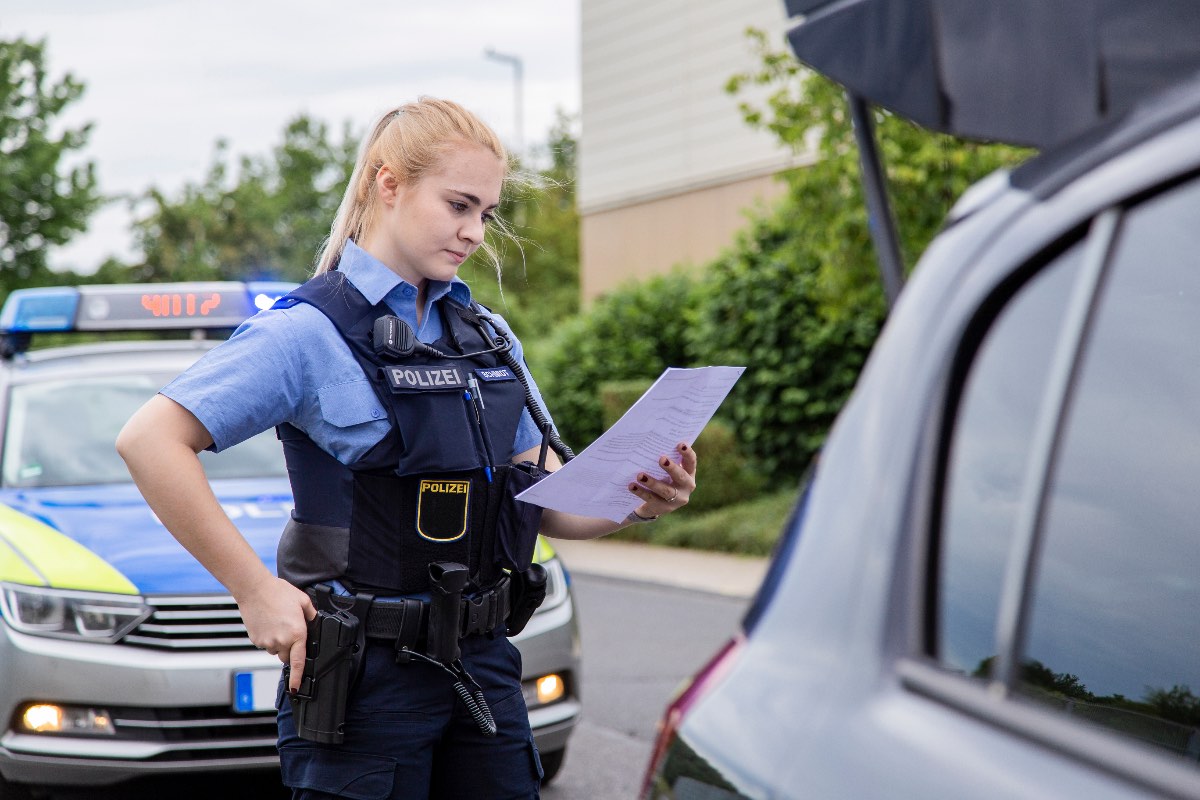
[101, 518]
[831, 694]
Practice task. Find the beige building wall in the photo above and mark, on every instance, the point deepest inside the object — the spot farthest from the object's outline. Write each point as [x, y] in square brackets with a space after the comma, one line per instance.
[630, 242]
[667, 166]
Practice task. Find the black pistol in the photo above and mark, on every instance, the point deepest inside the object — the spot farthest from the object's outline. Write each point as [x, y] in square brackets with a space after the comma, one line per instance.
[319, 706]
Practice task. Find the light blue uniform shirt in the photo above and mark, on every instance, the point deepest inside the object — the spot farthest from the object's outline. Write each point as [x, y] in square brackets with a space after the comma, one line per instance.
[291, 365]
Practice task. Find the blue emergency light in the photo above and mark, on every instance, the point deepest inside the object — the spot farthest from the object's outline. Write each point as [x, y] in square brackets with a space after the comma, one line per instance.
[28, 310]
[132, 307]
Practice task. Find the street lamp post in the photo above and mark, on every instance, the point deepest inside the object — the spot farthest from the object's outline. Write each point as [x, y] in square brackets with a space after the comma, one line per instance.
[518, 102]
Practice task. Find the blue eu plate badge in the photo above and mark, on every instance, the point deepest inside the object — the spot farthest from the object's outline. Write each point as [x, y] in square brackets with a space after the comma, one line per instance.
[255, 690]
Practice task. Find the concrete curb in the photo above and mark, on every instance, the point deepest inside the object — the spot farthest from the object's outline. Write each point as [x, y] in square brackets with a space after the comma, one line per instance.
[720, 573]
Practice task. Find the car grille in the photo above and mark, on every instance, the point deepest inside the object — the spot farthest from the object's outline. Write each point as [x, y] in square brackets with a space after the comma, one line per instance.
[180, 734]
[192, 622]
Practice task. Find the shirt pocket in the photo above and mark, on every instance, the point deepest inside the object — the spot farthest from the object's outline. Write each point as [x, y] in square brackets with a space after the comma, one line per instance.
[345, 405]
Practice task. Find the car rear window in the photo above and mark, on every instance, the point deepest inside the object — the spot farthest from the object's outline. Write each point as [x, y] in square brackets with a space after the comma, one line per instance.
[1103, 630]
[1113, 636]
[987, 462]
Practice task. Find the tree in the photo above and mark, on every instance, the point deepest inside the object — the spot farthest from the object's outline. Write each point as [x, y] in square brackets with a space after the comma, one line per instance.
[43, 200]
[926, 173]
[265, 221]
[539, 281]
[1177, 704]
[798, 299]
[266, 216]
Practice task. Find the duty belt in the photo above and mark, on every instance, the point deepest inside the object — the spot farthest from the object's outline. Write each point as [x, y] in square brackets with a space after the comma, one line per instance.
[405, 620]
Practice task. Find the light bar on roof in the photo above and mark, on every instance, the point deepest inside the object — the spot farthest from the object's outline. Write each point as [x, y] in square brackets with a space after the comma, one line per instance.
[123, 307]
[163, 305]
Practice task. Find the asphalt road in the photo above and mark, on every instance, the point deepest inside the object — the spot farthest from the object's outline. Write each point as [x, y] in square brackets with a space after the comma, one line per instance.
[640, 640]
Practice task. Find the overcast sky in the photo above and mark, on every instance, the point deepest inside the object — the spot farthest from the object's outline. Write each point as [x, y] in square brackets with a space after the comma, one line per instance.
[167, 78]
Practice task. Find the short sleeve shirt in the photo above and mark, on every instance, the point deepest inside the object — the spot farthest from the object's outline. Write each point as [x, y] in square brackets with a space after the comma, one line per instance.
[290, 365]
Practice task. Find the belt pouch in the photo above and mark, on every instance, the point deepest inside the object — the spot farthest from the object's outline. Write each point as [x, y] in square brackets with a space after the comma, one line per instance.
[516, 522]
[446, 583]
[527, 590]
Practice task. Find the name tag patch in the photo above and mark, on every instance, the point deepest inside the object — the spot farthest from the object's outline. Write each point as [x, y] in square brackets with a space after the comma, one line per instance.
[407, 379]
[442, 509]
[496, 374]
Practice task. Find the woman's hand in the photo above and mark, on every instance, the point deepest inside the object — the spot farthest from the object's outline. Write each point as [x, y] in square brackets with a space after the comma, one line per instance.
[160, 443]
[660, 496]
[276, 614]
[663, 497]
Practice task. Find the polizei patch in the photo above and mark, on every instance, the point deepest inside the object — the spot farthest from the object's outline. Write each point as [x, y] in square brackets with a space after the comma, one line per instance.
[425, 379]
[442, 509]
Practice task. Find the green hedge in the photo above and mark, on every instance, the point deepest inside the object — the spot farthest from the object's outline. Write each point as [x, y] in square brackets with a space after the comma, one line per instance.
[763, 308]
[760, 306]
[633, 333]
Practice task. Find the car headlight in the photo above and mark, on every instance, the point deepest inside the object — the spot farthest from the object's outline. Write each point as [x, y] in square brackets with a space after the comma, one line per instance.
[556, 585]
[90, 616]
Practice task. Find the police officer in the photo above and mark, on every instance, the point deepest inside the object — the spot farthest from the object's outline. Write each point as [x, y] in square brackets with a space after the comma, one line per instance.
[404, 456]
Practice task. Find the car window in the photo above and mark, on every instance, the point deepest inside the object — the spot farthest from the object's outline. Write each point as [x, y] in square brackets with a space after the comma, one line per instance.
[62, 433]
[986, 464]
[1113, 632]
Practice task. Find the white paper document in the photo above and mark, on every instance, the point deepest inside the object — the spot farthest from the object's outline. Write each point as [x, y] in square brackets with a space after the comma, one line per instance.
[675, 409]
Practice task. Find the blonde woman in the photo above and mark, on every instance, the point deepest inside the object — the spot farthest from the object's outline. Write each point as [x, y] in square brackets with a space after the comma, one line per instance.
[408, 424]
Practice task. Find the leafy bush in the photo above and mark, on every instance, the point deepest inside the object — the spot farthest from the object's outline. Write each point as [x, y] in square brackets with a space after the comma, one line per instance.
[634, 332]
[763, 310]
[759, 306]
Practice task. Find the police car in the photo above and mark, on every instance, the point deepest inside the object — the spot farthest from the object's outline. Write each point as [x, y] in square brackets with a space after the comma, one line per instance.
[121, 655]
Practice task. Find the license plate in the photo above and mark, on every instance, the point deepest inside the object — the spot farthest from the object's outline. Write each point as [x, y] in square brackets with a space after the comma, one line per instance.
[255, 690]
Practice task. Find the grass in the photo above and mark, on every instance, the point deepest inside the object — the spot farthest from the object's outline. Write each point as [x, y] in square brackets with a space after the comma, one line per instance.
[749, 528]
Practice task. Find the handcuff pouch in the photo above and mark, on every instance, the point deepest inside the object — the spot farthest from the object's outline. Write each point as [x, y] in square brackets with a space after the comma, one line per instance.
[515, 522]
[527, 590]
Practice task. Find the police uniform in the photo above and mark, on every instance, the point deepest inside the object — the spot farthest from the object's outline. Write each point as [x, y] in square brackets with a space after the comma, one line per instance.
[396, 463]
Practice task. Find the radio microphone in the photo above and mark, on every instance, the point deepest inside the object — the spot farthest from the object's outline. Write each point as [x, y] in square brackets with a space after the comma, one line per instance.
[393, 337]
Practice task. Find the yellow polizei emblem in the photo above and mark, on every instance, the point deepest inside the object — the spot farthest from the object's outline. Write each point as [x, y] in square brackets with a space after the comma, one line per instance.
[442, 508]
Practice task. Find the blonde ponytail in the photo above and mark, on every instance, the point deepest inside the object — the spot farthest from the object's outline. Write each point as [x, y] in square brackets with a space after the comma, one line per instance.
[408, 140]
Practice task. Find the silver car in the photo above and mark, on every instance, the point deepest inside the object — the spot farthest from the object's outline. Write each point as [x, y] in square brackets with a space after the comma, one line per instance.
[121, 656]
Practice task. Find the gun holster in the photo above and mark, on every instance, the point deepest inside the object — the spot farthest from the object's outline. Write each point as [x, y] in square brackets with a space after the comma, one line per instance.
[527, 590]
[319, 706]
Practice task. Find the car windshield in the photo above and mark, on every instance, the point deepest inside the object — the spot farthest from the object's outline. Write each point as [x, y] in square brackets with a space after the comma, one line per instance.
[62, 433]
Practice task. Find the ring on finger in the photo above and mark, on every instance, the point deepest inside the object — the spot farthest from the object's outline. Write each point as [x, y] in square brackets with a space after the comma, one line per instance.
[671, 499]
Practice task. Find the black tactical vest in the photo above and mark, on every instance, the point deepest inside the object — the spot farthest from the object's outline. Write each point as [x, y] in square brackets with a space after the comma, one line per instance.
[438, 487]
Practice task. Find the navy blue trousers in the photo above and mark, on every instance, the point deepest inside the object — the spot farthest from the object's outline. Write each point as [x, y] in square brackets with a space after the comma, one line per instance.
[409, 736]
